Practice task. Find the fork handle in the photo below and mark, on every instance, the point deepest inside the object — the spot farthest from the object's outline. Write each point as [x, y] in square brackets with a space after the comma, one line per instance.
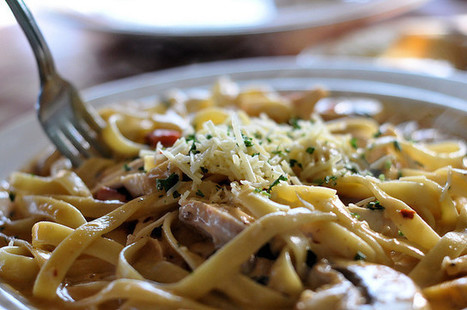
[33, 34]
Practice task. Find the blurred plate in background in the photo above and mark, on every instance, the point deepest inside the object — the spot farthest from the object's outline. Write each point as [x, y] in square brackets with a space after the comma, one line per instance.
[187, 18]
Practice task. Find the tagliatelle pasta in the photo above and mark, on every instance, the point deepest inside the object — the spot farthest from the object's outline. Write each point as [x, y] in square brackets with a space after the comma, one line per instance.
[242, 199]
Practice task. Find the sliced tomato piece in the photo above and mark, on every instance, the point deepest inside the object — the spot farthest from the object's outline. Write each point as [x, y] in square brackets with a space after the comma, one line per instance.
[166, 137]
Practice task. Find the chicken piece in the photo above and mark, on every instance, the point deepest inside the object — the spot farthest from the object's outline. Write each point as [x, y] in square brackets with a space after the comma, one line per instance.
[332, 290]
[256, 102]
[220, 222]
[304, 102]
[360, 285]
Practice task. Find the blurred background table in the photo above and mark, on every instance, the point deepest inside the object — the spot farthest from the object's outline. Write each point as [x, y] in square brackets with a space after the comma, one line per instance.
[88, 58]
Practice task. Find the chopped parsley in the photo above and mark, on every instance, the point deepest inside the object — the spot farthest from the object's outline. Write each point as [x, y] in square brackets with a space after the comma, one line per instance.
[209, 136]
[193, 149]
[167, 184]
[277, 152]
[262, 192]
[294, 162]
[353, 143]
[199, 193]
[382, 177]
[276, 182]
[294, 123]
[355, 215]
[375, 205]
[400, 233]
[254, 154]
[310, 150]
[397, 146]
[191, 137]
[377, 134]
[351, 168]
[359, 256]
[247, 141]
[126, 167]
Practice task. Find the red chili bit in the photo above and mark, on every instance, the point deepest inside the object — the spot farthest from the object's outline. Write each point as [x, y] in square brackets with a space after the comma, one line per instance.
[408, 214]
[166, 137]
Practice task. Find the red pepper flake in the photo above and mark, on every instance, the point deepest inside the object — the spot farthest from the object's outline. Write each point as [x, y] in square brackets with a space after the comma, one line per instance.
[408, 214]
[166, 137]
[55, 272]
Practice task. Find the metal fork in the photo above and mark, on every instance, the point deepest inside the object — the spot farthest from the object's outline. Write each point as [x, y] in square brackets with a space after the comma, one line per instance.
[71, 124]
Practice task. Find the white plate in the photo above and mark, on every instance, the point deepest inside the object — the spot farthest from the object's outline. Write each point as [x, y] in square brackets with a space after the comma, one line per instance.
[440, 101]
[202, 18]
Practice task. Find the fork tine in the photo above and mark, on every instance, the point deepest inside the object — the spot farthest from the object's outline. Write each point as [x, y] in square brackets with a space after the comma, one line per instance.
[76, 139]
[92, 137]
[64, 146]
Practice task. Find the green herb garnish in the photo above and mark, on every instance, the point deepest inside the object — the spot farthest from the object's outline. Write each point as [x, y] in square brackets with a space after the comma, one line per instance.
[247, 141]
[277, 181]
[375, 205]
[353, 143]
[294, 162]
[262, 192]
[294, 123]
[167, 184]
[377, 134]
[397, 146]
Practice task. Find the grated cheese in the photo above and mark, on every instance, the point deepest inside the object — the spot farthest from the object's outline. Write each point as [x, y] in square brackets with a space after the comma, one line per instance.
[258, 151]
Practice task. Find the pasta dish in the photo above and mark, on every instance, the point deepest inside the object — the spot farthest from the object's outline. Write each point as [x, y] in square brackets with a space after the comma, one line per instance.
[243, 198]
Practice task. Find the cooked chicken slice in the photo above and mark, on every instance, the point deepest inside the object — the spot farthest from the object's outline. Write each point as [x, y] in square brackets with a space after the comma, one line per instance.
[331, 290]
[304, 103]
[384, 287]
[360, 285]
[220, 222]
[138, 184]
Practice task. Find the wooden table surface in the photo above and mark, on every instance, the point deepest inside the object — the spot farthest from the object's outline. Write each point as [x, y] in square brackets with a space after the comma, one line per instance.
[89, 58]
